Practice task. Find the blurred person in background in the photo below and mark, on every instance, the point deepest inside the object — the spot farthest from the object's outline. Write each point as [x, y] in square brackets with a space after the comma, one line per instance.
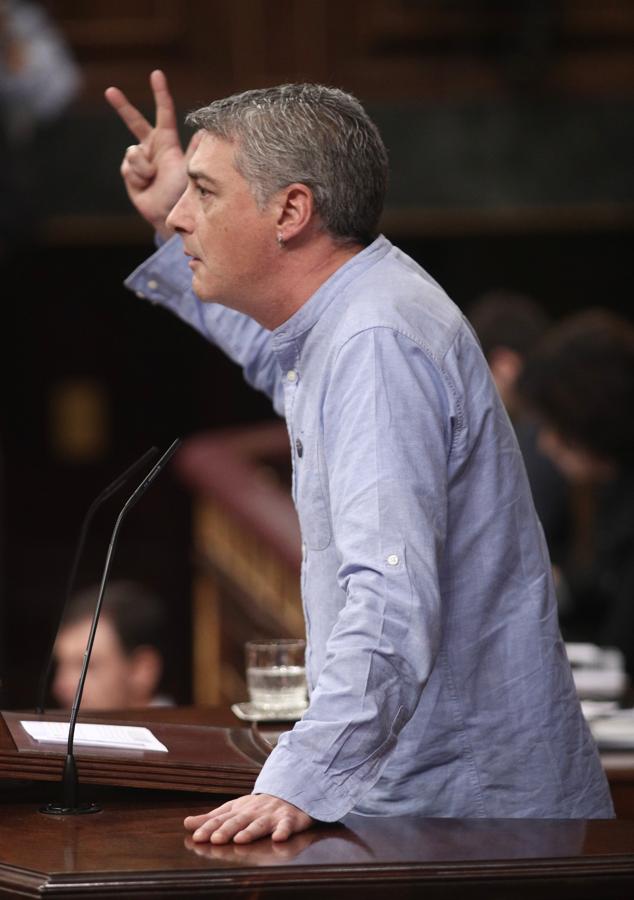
[38, 79]
[508, 326]
[127, 661]
[580, 382]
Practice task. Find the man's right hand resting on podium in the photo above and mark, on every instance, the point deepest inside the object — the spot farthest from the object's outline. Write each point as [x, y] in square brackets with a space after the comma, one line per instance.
[247, 819]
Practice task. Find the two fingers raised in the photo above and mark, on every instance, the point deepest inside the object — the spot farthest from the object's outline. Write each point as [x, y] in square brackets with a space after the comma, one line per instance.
[134, 119]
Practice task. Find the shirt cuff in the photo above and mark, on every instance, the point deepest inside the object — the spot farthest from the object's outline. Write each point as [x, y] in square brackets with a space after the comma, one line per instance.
[304, 786]
[164, 277]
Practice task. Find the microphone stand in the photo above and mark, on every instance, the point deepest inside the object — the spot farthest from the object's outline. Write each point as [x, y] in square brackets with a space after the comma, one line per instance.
[70, 780]
[92, 509]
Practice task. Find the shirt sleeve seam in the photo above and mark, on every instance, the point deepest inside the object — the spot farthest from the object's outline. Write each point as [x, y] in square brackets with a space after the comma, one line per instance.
[435, 361]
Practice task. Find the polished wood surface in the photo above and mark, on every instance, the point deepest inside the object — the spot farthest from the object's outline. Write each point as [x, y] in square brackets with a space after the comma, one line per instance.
[137, 847]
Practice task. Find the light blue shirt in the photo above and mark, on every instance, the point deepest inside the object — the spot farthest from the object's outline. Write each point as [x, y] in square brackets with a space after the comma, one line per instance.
[438, 679]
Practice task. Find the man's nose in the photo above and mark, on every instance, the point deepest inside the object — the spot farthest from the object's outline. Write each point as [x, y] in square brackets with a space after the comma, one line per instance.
[179, 218]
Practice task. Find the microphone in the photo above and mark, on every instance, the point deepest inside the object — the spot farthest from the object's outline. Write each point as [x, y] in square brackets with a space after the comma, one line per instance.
[70, 781]
[94, 506]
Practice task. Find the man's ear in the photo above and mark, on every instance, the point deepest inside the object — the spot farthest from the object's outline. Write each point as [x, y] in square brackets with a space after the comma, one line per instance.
[296, 209]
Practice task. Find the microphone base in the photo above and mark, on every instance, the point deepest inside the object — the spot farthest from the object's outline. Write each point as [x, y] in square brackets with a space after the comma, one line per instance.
[58, 809]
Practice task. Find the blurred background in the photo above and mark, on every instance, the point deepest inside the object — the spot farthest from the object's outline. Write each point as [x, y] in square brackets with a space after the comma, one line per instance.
[509, 128]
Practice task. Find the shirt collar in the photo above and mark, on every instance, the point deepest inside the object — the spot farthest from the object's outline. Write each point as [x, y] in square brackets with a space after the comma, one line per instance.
[295, 329]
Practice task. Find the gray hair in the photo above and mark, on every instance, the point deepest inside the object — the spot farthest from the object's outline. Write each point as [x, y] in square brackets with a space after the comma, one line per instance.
[309, 134]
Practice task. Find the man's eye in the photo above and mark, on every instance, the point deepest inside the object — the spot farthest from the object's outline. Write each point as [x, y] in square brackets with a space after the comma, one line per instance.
[202, 192]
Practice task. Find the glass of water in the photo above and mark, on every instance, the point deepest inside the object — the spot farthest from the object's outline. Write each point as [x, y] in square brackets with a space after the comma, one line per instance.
[276, 677]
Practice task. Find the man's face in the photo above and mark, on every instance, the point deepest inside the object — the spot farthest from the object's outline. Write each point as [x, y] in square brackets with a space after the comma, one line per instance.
[231, 242]
[108, 682]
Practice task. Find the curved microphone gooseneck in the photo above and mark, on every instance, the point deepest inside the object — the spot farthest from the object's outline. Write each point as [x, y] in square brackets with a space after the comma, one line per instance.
[92, 509]
[70, 781]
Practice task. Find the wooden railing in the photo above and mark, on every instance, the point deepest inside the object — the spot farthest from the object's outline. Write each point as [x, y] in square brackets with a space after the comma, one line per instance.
[246, 552]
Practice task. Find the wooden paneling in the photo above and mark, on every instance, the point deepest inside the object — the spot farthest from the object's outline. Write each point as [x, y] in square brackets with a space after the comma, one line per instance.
[382, 49]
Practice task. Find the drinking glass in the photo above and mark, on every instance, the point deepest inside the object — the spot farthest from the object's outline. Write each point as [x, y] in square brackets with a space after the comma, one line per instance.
[276, 677]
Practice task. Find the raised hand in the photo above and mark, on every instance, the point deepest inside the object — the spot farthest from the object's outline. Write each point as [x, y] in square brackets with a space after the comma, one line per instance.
[154, 169]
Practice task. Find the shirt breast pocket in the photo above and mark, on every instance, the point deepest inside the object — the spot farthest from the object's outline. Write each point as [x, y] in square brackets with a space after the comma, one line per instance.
[313, 506]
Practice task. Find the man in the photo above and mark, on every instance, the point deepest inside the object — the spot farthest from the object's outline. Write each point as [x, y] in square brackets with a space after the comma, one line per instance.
[437, 676]
[127, 659]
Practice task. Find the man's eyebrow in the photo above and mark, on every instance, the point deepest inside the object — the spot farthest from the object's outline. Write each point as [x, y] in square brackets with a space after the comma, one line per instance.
[200, 176]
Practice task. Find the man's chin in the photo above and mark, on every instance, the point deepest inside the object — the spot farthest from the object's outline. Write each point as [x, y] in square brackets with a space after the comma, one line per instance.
[203, 293]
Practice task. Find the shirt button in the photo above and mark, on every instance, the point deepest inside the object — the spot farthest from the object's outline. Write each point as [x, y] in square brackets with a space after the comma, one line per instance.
[392, 560]
[299, 447]
[152, 284]
[141, 295]
[291, 376]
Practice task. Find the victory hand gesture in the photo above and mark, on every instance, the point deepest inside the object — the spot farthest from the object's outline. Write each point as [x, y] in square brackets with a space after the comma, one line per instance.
[154, 170]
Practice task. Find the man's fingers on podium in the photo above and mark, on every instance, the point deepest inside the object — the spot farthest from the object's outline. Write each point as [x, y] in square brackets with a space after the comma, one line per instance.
[220, 829]
[247, 819]
[204, 826]
[230, 828]
[206, 829]
[260, 827]
[285, 828]
[193, 822]
[135, 120]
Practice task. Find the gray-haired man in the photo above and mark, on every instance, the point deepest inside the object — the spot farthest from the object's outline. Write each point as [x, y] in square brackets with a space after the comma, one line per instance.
[438, 679]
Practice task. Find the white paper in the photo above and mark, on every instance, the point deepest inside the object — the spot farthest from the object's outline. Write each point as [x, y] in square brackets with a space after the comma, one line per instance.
[599, 684]
[617, 729]
[124, 737]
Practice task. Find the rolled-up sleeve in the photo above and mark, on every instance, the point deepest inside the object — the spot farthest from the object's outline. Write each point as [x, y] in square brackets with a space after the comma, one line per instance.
[386, 432]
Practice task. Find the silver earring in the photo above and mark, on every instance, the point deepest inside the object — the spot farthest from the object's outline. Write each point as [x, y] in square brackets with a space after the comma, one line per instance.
[280, 240]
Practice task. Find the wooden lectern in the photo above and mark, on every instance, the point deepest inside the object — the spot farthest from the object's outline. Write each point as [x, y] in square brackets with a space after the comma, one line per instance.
[137, 847]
